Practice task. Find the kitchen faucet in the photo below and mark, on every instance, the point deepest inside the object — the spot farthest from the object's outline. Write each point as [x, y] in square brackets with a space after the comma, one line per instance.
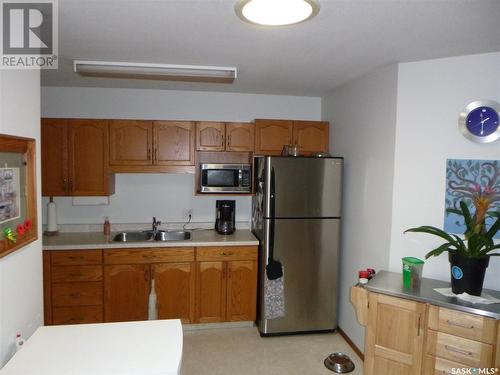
[156, 224]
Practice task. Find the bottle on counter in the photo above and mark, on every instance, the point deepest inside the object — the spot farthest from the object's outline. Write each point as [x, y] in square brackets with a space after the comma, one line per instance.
[107, 226]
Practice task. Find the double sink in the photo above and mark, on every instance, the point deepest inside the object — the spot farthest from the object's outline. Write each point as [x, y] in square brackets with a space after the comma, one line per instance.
[159, 235]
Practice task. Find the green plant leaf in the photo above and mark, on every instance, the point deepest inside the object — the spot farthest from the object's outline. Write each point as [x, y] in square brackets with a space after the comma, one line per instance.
[466, 214]
[434, 231]
[493, 229]
[438, 251]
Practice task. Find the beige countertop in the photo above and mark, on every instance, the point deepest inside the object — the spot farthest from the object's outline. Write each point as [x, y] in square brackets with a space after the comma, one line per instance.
[96, 240]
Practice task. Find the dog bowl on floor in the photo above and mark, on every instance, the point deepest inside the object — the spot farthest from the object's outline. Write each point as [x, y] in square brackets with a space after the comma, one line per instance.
[339, 363]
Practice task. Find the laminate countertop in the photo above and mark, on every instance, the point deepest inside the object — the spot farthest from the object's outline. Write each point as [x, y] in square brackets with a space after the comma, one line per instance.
[97, 240]
[391, 283]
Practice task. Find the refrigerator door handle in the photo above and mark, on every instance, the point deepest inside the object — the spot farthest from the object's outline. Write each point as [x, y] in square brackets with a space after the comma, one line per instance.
[274, 269]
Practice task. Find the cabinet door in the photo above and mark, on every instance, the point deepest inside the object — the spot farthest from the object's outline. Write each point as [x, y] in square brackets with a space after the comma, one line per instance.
[54, 150]
[241, 290]
[88, 157]
[175, 287]
[126, 292]
[211, 292]
[240, 136]
[272, 135]
[130, 142]
[210, 136]
[394, 336]
[312, 136]
[173, 142]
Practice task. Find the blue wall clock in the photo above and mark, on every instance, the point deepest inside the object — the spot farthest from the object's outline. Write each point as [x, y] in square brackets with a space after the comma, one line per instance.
[479, 121]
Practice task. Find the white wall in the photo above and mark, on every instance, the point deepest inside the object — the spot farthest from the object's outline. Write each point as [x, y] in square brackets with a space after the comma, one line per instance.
[431, 94]
[21, 305]
[363, 117]
[138, 197]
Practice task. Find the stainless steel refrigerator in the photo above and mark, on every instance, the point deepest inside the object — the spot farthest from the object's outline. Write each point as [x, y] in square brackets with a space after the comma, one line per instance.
[296, 216]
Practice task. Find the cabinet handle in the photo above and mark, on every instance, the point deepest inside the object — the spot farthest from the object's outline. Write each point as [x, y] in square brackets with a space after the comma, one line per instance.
[156, 154]
[65, 185]
[149, 153]
[452, 323]
[418, 331]
[456, 350]
[70, 185]
[75, 257]
[229, 140]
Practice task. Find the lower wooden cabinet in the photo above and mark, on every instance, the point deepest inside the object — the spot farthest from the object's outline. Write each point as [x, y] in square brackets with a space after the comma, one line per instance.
[408, 337]
[175, 290]
[126, 292]
[394, 336]
[202, 285]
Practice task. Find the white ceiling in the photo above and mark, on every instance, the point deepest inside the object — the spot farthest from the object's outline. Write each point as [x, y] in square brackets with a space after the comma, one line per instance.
[347, 39]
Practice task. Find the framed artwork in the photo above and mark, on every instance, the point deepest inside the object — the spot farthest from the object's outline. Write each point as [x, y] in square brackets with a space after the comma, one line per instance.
[18, 207]
[470, 181]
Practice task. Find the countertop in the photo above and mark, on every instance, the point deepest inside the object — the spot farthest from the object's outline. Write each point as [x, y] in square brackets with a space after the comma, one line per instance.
[97, 240]
[391, 283]
[149, 347]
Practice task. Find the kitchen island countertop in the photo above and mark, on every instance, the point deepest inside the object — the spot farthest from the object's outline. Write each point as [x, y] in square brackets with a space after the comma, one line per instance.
[391, 283]
[97, 240]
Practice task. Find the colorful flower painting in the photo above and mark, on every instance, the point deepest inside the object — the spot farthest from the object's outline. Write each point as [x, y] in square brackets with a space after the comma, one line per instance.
[477, 183]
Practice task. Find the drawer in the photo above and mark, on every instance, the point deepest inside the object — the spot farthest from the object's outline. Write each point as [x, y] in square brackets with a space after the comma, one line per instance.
[77, 294]
[226, 253]
[141, 256]
[76, 273]
[439, 366]
[75, 257]
[77, 315]
[462, 324]
[457, 349]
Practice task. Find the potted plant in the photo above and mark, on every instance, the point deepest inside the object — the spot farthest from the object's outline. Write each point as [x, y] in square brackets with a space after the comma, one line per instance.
[469, 257]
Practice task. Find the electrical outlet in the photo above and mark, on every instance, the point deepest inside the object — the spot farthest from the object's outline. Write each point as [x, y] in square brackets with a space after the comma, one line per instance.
[188, 213]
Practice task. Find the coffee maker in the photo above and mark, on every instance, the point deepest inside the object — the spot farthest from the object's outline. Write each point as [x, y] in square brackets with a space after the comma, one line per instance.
[225, 216]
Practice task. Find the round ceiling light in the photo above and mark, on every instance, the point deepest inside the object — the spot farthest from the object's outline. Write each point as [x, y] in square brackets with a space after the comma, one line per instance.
[276, 12]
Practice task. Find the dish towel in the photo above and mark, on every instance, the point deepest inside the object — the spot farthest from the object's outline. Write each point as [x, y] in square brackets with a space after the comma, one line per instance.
[484, 299]
[274, 298]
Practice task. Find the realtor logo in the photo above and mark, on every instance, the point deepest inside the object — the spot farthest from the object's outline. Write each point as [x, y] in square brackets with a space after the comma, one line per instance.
[29, 34]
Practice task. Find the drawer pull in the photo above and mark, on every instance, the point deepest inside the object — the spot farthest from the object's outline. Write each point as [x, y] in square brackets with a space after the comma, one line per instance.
[148, 256]
[75, 295]
[226, 254]
[456, 350]
[75, 257]
[76, 274]
[452, 323]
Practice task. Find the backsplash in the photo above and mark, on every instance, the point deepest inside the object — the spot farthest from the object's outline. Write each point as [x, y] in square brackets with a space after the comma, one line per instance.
[139, 197]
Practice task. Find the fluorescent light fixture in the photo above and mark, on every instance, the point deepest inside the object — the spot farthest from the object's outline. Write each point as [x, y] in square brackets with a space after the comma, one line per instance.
[167, 72]
[276, 12]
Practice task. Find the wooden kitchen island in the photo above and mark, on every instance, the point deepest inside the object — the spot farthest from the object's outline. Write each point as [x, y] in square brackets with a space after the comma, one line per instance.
[423, 332]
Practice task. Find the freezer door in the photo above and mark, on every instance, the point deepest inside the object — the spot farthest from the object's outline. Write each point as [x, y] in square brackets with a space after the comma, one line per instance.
[303, 187]
[308, 250]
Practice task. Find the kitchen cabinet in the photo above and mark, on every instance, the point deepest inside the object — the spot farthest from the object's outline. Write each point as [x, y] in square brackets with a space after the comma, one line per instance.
[409, 337]
[130, 142]
[141, 146]
[272, 135]
[175, 286]
[394, 335]
[226, 284]
[73, 287]
[220, 136]
[196, 285]
[75, 158]
[126, 292]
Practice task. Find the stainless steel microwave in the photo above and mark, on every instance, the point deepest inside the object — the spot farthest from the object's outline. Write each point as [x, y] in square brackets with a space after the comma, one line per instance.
[225, 178]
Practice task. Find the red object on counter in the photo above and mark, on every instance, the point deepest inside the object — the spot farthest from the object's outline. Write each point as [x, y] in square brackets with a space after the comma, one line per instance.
[364, 274]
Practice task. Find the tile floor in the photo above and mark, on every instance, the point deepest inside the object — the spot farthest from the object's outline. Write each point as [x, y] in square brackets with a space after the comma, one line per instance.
[241, 351]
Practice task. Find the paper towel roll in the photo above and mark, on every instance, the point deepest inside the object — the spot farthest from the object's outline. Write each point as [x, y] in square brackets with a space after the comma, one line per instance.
[51, 217]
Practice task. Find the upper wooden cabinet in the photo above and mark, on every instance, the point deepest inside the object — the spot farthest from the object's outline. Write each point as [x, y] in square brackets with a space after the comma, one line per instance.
[220, 136]
[173, 142]
[75, 158]
[130, 142]
[141, 143]
[210, 136]
[272, 135]
[312, 136]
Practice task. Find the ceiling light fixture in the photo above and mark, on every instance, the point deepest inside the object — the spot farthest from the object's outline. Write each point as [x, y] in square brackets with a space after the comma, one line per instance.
[167, 72]
[276, 12]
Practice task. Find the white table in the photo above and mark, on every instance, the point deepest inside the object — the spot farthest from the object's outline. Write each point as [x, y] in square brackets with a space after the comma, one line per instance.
[148, 347]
